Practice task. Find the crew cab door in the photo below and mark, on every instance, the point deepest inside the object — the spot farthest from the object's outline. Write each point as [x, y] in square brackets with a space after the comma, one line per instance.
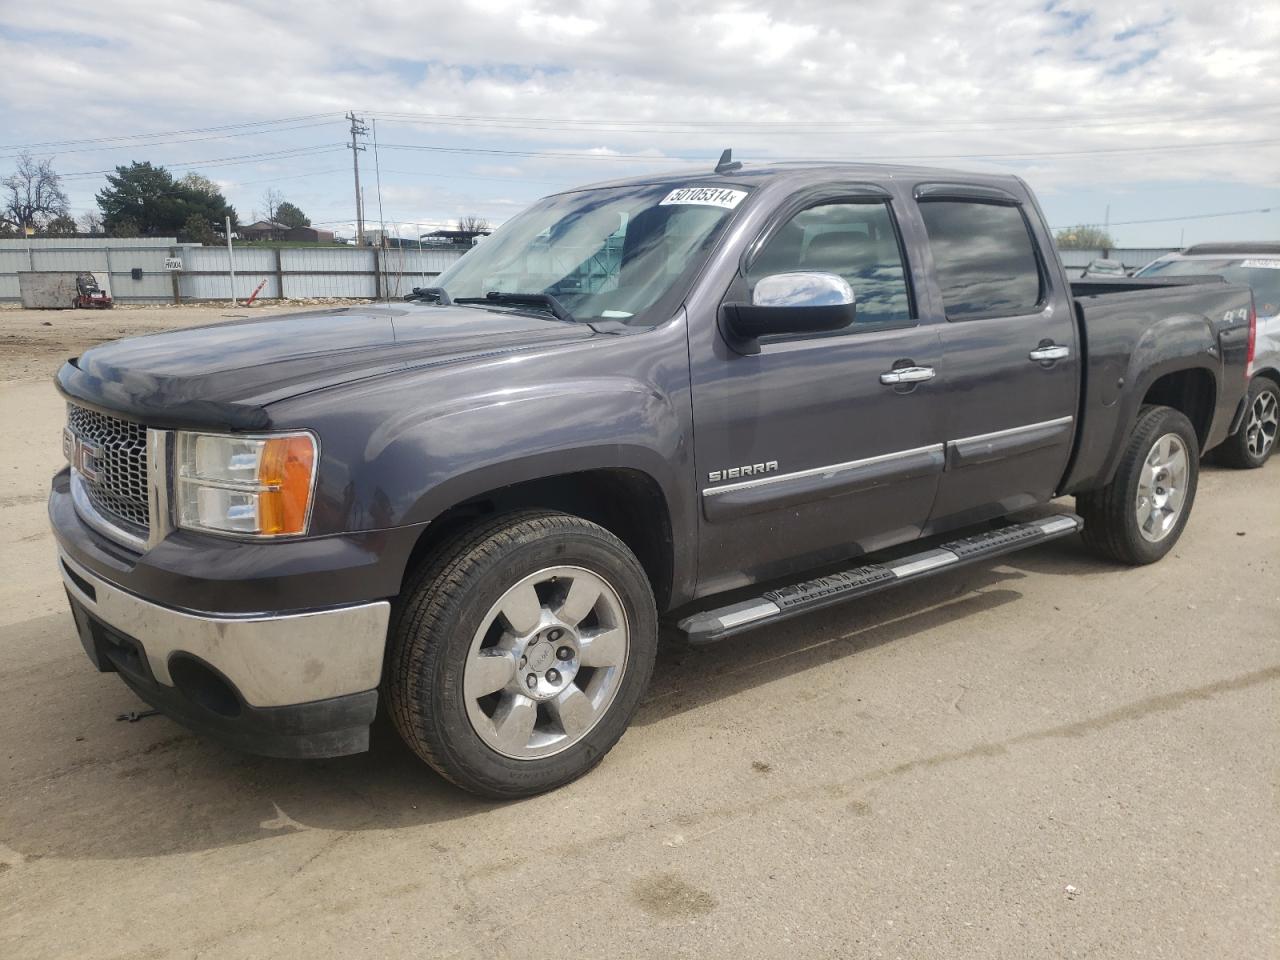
[803, 453]
[1009, 351]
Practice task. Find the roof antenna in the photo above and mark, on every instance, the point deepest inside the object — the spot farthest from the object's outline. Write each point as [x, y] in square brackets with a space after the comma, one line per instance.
[727, 164]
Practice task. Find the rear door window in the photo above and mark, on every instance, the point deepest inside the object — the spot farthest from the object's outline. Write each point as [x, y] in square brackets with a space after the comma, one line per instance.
[984, 257]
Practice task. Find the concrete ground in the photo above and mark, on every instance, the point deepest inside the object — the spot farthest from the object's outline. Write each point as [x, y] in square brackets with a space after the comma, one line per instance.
[1043, 756]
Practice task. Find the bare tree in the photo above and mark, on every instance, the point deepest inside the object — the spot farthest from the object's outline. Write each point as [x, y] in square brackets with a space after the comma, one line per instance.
[91, 222]
[271, 199]
[32, 194]
[473, 224]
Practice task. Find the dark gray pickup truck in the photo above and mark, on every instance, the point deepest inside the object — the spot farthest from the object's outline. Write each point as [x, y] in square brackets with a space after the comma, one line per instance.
[711, 400]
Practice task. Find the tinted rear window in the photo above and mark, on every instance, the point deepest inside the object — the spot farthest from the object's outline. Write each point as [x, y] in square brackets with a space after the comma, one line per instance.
[984, 258]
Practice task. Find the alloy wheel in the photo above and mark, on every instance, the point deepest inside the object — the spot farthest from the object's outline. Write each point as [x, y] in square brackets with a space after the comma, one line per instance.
[546, 662]
[1260, 429]
[1162, 488]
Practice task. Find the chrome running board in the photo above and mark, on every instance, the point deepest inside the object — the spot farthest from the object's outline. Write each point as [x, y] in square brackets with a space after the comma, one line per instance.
[785, 602]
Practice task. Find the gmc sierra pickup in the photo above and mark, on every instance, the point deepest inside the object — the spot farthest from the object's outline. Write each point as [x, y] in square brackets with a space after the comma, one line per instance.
[711, 400]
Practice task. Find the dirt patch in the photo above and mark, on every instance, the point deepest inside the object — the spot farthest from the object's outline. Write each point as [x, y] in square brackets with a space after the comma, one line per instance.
[669, 897]
[34, 343]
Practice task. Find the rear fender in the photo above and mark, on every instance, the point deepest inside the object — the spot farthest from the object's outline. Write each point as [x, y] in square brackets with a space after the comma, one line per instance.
[1118, 379]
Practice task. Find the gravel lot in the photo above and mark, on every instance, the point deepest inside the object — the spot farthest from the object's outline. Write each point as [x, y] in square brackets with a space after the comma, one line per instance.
[1042, 756]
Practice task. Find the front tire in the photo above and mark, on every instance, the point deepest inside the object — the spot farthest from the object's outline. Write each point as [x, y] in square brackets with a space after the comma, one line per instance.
[1138, 517]
[519, 653]
[1252, 445]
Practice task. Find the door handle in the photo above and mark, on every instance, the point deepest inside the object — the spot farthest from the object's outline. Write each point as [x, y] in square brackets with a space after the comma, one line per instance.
[1053, 351]
[907, 375]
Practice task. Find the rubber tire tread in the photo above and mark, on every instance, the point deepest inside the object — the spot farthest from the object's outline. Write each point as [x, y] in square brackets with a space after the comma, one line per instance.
[1234, 451]
[1110, 527]
[425, 612]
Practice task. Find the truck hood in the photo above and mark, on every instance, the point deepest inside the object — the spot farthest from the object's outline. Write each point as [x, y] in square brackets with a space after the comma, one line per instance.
[225, 374]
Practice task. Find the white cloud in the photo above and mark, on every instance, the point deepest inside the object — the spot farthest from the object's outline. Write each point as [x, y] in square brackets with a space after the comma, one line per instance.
[921, 80]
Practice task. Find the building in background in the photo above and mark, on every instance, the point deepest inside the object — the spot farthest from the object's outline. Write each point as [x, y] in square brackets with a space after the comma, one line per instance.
[453, 238]
[263, 230]
[309, 235]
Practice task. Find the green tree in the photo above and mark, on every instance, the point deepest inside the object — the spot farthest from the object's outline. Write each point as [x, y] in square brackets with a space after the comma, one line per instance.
[291, 216]
[156, 203]
[200, 183]
[63, 225]
[1084, 237]
[197, 230]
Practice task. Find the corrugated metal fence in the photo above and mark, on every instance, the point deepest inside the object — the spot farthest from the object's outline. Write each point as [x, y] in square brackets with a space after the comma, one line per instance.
[133, 271]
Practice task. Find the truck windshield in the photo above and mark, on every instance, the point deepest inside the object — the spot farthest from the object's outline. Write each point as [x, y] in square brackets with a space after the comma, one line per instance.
[603, 254]
[1261, 273]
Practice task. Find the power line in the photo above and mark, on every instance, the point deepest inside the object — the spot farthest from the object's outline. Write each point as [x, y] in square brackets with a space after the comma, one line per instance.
[168, 133]
[655, 125]
[814, 127]
[565, 155]
[166, 143]
[499, 121]
[1190, 216]
[468, 176]
[310, 151]
[287, 176]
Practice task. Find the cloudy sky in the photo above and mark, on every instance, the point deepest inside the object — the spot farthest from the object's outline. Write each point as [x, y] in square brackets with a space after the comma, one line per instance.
[1161, 111]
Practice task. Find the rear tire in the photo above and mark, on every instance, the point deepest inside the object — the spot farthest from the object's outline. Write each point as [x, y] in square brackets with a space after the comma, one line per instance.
[1252, 445]
[1138, 517]
[520, 652]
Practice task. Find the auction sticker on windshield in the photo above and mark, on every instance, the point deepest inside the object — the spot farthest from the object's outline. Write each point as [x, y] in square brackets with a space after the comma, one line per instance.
[706, 196]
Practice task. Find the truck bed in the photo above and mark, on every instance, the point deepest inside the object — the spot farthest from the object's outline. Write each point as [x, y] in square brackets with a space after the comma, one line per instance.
[1134, 332]
[1098, 286]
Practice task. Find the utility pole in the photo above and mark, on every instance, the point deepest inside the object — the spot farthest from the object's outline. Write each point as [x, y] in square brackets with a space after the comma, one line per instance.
[231, 262]
[358, 129]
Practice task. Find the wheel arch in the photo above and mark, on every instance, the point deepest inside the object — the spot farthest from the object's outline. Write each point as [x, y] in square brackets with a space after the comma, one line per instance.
[628, 502]
[1269, 373]
[1192, 391]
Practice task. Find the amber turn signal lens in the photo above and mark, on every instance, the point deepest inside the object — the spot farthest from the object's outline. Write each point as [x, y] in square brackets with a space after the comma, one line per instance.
[285, 471]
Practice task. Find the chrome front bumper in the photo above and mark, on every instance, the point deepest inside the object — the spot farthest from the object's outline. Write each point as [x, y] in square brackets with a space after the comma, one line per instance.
[272, 660]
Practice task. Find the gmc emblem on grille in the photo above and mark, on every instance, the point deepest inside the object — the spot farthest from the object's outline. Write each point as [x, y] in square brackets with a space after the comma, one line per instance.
[81, 454]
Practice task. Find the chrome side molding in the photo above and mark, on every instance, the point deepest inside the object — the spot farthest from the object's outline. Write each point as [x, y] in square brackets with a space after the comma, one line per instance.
[831, 470]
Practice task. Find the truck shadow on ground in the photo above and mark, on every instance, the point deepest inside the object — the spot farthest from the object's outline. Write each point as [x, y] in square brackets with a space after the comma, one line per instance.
[172, 792]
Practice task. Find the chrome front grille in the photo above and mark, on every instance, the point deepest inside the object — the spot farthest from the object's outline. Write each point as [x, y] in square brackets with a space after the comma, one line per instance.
[114, 473]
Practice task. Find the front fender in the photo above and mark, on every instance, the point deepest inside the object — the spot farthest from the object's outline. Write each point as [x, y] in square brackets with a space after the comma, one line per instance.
[608, 423]
[402, 449]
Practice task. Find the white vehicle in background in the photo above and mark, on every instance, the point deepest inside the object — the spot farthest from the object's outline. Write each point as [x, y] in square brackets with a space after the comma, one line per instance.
[1258, 265]
[1104, 268]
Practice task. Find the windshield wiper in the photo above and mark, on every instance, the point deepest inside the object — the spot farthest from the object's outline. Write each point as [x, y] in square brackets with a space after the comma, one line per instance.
[544, 300]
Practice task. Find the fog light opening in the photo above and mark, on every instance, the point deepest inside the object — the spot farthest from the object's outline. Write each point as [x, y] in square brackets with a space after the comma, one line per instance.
[202, 685]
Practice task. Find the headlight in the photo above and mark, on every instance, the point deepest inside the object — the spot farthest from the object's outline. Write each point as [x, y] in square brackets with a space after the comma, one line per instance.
[257, 486]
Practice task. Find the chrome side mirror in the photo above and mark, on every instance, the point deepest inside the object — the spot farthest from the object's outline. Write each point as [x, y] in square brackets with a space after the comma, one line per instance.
[802, 290]
[799, 302]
